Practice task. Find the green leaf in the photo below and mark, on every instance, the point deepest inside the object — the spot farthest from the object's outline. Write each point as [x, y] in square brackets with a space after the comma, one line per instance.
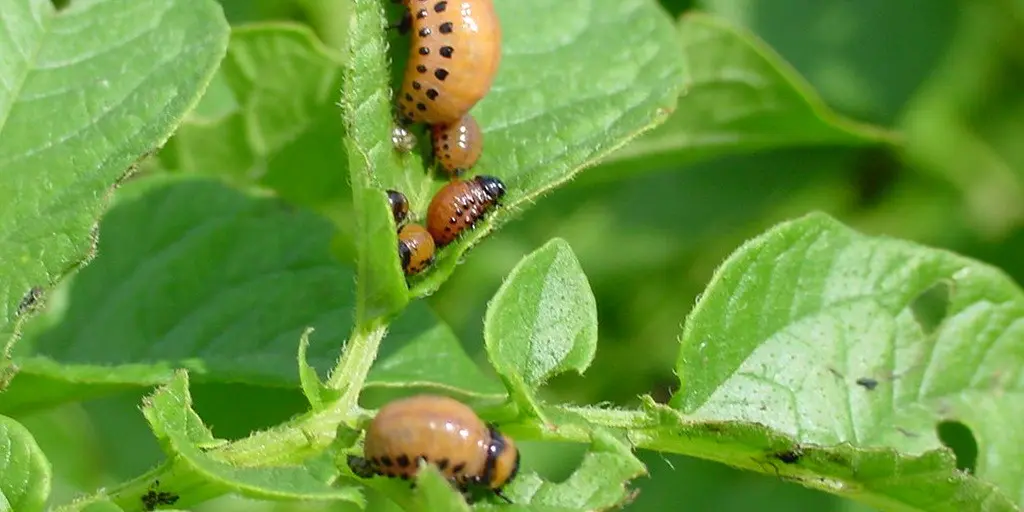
[598, 483]
[87, 92]
[312, 387]
[542, 321]
[846, 53]
[738, 96]
[884, 479]
[104, 506]
[434, 493]
[421, 351]
[372, 165]
[181, 432]
[273, 120]
[832, 337]
[192, 274]
[557, 106]
[25, 473]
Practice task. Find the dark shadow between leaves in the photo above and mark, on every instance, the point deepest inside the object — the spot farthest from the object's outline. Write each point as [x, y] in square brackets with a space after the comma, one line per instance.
[958, 437]
[874, 175]
[931, 306]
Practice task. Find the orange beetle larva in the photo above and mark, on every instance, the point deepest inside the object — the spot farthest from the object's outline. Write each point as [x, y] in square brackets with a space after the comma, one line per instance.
[399, 206]
[440, 431]
[457, 146]
[415, 248]
[454, 56]
[459, 205]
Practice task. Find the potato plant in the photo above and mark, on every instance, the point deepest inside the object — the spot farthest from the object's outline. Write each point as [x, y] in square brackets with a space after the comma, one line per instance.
[202, 306]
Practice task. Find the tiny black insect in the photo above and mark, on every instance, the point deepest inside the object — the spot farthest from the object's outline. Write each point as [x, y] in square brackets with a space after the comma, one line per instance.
[154, 498]
[868, 383]
[30, 300]
[789, 456]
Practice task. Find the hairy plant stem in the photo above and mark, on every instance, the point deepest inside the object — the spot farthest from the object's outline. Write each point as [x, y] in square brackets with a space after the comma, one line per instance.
[288, 443]
[314, 431]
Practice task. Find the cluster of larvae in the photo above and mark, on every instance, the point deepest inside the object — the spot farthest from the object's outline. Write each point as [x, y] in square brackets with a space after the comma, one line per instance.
[453, 58]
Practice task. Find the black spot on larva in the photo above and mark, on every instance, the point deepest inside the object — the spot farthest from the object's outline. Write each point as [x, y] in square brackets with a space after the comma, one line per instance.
[432, 94]
[422, 13]
[408, 97]
[425, 31]
[424, 50]
[446, 147]
[421, 68]
[441, 73]
[403, 460]
[440, 6]
[421, 107]
[443, 463]
[386, 461]
[417, 86]
[446, 51]
[446, 27]
[444, 137]
[459, 468]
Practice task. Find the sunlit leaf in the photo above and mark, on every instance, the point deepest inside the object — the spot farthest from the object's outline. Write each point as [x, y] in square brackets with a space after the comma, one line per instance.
[86, 93]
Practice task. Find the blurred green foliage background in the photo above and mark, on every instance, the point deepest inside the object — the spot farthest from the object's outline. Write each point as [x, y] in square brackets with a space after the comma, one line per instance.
[946, 75]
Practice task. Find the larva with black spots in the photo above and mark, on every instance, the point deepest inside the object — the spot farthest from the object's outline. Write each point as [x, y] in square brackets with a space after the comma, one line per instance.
[441, 431]
[415, 248]
[399, 206]
[453, 58]
[457, 146]
[459, 205]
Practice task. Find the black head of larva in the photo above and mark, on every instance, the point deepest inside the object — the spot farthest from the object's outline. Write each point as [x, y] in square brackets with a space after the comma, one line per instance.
[492, 186]
[404, 254]
[502, 464]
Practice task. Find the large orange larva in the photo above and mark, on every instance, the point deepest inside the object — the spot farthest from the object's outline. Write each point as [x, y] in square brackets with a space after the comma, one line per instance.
[454, 56]
[457, 146]
[441, 431]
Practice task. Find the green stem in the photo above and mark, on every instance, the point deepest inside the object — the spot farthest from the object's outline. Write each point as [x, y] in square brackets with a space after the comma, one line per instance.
[360, 352]
[314, 431]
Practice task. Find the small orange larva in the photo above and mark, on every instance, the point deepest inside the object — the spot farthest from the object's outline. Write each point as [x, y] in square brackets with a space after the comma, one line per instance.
[454, 56]
[399, 206]
[440, 431]
[457, 146]
[459, 205]
[415, 248]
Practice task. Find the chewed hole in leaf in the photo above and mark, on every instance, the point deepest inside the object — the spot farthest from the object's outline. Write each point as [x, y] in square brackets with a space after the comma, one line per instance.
[958, 437]
[553, 461]
[664, 388]
[930, 307]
